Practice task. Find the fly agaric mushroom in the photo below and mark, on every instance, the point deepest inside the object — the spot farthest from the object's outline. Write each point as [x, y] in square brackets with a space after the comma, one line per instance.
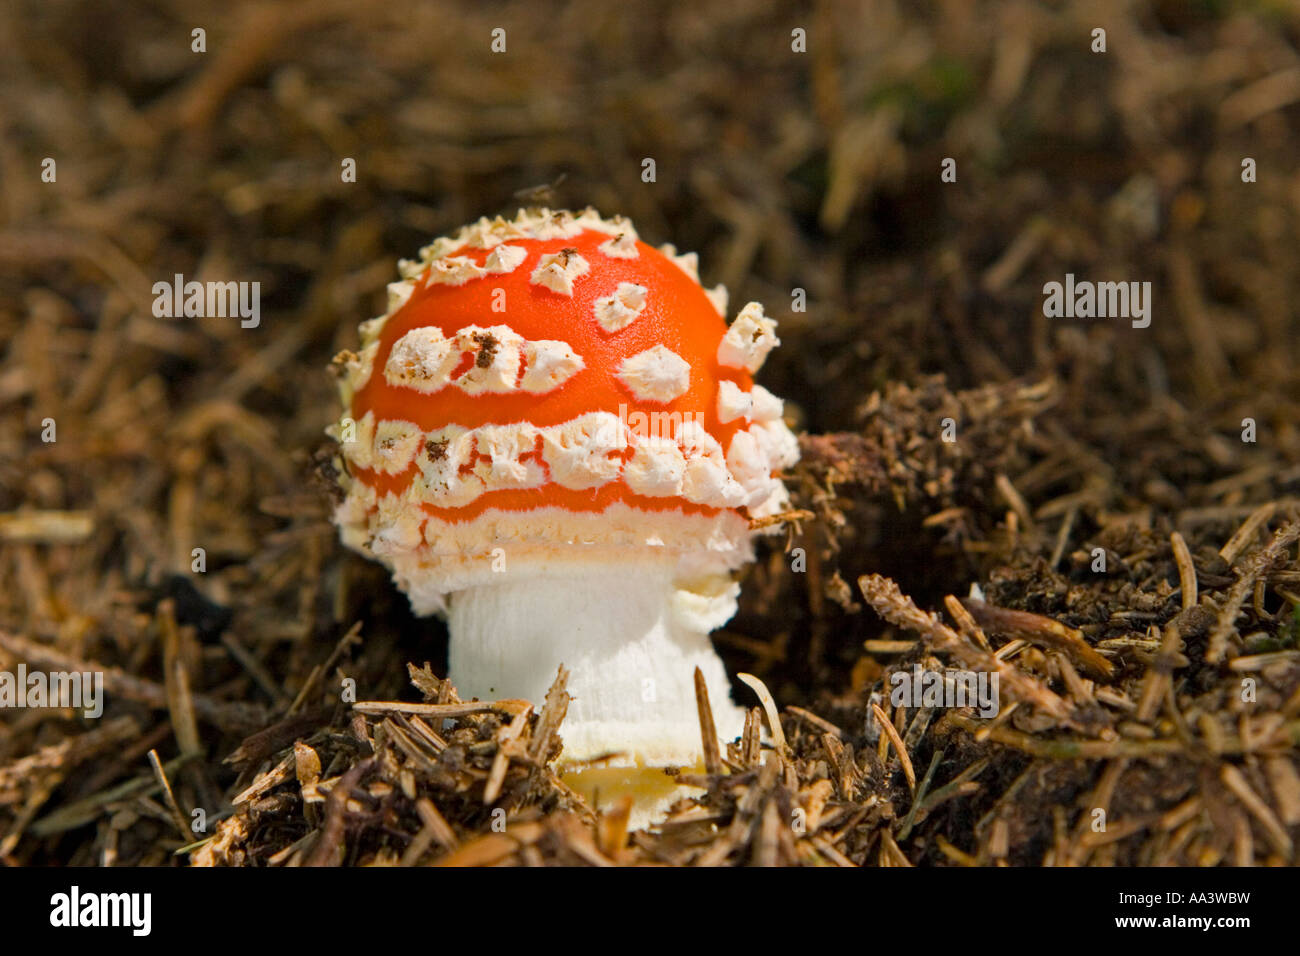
[553, 439]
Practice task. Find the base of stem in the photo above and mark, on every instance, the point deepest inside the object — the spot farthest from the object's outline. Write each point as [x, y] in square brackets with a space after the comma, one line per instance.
[653, 791]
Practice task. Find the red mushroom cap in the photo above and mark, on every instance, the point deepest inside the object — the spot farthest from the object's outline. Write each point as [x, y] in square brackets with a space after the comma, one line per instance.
[555, 387]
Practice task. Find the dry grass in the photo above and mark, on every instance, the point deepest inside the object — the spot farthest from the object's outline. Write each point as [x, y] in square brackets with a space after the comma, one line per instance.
[1122, 691]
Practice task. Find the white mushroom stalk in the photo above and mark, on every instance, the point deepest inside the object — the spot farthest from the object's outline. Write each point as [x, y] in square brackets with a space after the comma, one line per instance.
[631, 635]
[554, 440]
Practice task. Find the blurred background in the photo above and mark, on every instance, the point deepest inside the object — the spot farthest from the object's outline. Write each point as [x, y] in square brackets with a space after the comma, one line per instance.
[795, 146]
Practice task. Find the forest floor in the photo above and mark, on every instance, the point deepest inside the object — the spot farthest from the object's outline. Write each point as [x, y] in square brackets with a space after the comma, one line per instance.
[1109, 520]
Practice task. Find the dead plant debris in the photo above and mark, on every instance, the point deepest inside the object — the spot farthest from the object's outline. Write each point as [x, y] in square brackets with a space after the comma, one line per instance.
[1067, 504]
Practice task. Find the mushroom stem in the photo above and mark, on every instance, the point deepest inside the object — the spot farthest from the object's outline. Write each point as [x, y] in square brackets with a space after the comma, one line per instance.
[631, 633]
